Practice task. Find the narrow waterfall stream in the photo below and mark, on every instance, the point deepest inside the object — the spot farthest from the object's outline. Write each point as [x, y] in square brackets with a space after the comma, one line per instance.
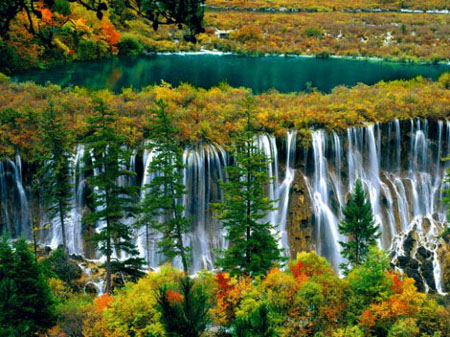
[399, 163]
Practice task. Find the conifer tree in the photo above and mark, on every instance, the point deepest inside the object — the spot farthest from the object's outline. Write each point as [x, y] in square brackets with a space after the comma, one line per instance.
[55, 167]
[112, 203]
[258, 323]
[162, 205]
[252, 241]
[26, 303]
[359, 226]
[184, 313]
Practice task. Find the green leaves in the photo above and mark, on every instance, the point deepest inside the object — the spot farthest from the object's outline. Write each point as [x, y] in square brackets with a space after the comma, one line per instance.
[162, 208]
[252, 245]
[358, 224]
[55, 165]
[184, 313]
[26, 303]
[112, 203]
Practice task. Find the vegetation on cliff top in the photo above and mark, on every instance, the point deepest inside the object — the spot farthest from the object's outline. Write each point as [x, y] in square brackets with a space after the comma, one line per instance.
[214, 115]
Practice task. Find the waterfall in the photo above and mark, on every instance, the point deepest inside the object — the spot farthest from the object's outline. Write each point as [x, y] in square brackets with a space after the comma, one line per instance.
[399, 164]
[320, 189]
[405, 200]
[14, 205]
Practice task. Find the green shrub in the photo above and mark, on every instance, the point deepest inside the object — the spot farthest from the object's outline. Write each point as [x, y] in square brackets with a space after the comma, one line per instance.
[9, 59]
[129, 44]
[62, 7]
[27, 306]
[404, 328]
[72, 313]
[312, 32]
[444, 80]
[87, 50]
[59, 264]
[349, 332]
[258, 323]
[184, 313]
[3, 78]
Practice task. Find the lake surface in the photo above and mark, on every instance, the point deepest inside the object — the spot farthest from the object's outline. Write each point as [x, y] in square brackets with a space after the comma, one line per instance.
[286, 74]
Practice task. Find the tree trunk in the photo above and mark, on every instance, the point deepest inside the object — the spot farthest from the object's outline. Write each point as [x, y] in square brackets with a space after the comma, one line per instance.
[108, 257]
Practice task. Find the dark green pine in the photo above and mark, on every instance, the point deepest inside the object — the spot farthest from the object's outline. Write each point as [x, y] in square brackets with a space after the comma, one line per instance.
[55, 170]
[26, 303]
[162, 207]
[112, 205]
[359, 226]
[253, 247]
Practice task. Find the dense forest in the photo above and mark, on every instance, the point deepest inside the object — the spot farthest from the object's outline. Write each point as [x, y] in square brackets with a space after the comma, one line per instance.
[176, 210]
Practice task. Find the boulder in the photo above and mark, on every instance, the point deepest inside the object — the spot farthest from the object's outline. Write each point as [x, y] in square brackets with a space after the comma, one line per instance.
[427, 272]
[90, 288]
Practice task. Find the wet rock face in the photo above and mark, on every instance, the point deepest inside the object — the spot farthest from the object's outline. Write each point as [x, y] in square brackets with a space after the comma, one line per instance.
[414, 253]
[300, 220]
[444, 259]
[90, 288]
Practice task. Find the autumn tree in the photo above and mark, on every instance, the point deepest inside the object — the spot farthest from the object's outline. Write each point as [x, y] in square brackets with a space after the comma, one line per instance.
[359, 226]
[253, 247]
[188, 13]
[55, 169]
[26, 303]
[112, 203]
[162, 207]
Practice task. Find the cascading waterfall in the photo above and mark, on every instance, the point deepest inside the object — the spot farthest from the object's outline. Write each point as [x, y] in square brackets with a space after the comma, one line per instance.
[403, 199]
[278, 190]
[321, 189]
[399, 164]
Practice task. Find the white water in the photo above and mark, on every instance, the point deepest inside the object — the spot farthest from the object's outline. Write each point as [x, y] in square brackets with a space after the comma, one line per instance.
[399, 164]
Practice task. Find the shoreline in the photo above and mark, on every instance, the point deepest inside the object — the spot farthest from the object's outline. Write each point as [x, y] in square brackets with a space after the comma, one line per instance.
[312, 11]
[220, 53]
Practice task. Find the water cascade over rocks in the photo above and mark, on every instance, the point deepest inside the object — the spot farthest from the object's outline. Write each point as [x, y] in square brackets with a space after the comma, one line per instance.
[399, 163]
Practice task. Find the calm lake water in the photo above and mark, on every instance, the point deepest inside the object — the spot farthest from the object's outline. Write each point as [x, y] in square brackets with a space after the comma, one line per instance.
[286, 74]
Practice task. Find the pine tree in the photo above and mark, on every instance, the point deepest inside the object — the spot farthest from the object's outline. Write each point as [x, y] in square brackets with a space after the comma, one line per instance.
[258, 323]
[55, 167]
[112, 203]
[252, 241]
[162, 208]
[184, 313]
[359, 226]
[26, 303]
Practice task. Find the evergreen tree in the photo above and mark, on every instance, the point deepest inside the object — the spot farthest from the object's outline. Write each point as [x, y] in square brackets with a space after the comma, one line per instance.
[252, 241]
[112, 203]
[184, 313]
[55, 167]
[162, 208]
[359, 226]
[258, 323]
[26, 303]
